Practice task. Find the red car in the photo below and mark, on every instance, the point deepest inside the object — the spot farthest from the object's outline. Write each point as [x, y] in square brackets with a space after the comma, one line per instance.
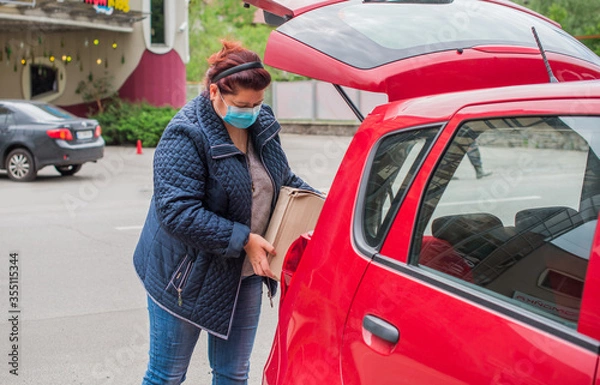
[458, 243]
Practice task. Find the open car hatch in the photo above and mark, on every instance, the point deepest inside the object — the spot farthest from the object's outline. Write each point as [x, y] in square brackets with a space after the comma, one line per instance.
[421, 47]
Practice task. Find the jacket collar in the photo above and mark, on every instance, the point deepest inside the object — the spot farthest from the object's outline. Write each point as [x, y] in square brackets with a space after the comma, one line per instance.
[264, 129]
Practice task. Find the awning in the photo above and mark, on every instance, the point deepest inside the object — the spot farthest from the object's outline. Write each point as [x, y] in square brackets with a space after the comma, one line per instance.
[65, 15]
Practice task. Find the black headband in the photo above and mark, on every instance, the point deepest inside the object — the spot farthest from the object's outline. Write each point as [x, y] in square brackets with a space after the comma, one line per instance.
[236, 69]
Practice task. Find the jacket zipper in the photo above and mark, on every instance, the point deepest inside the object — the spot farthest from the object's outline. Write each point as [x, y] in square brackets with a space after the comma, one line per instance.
[247, 161]
[183, 274]
[183, 282]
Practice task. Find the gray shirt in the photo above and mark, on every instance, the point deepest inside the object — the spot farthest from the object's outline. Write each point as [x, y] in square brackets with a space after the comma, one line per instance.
[262, 195]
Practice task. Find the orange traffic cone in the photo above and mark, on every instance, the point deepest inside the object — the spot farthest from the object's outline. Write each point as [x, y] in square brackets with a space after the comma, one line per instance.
[139, 147]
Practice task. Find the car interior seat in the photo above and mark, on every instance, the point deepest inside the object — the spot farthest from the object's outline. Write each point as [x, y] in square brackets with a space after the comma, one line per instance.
[540, 273]
[474, 235]
[534, 228]
[547, 221]
[439, 255]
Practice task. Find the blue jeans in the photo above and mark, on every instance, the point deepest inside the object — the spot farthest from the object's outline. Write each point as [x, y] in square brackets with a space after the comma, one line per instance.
[172, 342]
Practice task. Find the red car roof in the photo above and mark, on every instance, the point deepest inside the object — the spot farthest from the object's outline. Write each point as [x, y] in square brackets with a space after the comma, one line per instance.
[443, 106]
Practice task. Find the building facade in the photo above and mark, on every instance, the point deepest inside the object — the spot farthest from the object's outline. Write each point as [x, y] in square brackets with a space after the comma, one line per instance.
[62, 50]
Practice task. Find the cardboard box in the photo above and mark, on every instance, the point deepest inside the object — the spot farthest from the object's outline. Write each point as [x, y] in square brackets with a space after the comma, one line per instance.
[296, 213]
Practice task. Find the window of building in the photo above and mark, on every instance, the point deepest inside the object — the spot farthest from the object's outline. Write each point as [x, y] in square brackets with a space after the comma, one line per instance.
[43, 78]
[157, 22]
[516, 234]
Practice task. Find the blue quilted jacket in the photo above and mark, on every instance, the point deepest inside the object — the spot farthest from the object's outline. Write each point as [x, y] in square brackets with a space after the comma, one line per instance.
[190, 252]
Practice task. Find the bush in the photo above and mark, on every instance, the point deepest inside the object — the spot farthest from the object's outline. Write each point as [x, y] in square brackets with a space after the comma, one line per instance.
[124, 122]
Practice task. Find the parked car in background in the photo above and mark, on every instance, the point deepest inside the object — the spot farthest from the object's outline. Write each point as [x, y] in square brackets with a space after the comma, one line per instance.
[34, 135]
[422, 270]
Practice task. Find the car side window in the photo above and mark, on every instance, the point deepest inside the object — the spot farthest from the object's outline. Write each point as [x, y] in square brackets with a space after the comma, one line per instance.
[394, 164]
[522, 231]
[6, 117]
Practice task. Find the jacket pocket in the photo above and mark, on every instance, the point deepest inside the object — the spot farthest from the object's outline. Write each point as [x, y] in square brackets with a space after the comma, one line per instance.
[180, 277]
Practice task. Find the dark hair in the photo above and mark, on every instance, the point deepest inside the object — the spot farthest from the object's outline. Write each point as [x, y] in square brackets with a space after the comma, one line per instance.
[233, 54]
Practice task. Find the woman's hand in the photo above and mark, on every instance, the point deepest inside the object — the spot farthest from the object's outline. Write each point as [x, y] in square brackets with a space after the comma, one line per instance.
[257, 250]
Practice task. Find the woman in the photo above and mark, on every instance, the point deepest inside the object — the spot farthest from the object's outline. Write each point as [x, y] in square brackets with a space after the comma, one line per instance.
[201, 255]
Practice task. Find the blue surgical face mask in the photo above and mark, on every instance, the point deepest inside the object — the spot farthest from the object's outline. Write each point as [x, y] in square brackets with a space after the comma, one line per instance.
[240, 117]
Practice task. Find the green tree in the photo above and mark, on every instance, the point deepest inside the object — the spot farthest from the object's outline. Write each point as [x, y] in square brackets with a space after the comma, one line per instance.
[577, 17]
[96, 89]
[213, 20]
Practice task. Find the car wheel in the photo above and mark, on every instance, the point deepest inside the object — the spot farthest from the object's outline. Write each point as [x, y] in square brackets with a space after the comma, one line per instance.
[68, 170]
[20, 165]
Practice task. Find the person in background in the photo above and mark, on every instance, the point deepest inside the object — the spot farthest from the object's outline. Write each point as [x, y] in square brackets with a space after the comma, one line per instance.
[475, 158]
[201, 255]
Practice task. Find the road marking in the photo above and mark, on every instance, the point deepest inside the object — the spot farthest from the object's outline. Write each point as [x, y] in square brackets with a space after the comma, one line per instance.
[126, 228]
[513, 199]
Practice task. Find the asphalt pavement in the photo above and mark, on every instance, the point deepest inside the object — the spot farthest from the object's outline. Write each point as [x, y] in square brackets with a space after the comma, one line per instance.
[70, 301]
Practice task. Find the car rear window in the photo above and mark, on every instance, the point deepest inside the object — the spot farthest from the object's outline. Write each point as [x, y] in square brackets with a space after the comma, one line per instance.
[44, 112]
[367, 35]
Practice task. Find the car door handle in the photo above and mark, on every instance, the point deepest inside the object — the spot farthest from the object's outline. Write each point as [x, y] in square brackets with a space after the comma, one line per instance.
[381, 328]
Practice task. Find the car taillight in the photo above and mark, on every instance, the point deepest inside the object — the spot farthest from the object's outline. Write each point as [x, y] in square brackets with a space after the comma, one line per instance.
[60, 133]
[98, 131]
[292, 260]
